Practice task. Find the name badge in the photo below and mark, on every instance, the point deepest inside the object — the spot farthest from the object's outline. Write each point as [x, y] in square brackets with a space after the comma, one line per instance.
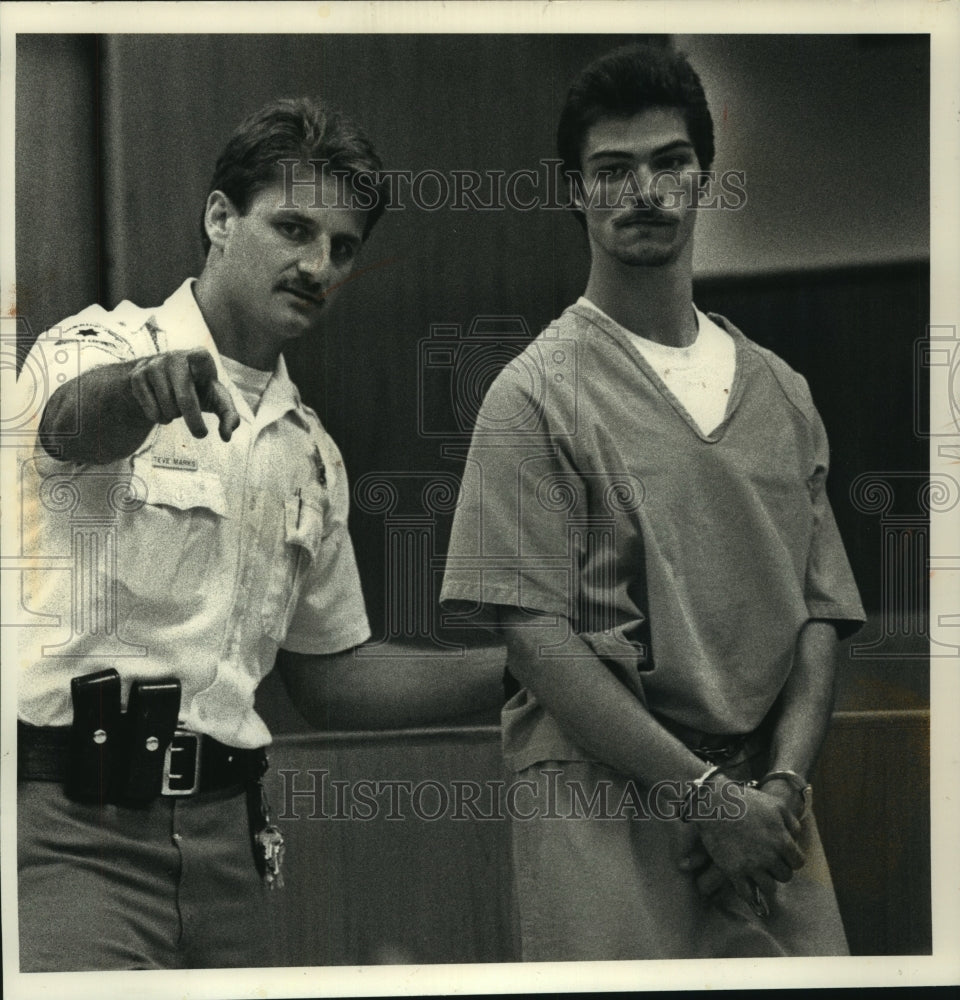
[182, 462]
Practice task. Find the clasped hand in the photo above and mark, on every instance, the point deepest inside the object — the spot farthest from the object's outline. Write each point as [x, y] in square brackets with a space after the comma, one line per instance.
[755, 850]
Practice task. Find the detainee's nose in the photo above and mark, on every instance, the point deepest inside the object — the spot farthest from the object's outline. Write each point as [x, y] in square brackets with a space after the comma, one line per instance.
[638, 189]
[648, 188]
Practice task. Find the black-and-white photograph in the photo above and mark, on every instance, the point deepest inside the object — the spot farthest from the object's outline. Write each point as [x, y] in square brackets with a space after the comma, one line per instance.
[480, 496]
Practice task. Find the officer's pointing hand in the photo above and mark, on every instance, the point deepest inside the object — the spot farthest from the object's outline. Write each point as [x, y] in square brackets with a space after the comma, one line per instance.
[183, 384]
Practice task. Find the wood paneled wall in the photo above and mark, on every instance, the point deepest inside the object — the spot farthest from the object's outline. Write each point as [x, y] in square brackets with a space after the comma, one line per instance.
[58, 203]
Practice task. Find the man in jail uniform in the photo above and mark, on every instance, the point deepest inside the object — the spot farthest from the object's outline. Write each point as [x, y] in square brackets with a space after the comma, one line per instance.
[221, 505]
[643, 515]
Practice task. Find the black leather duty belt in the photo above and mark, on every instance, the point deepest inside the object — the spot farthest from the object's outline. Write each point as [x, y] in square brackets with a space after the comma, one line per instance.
[193, 762]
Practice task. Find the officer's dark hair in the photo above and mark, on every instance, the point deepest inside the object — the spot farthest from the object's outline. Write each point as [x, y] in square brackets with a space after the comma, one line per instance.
[624, 83]
[298, 129]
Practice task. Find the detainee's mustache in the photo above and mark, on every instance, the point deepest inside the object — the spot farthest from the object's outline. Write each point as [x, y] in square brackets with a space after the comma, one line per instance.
[310, 291]
[642, 215]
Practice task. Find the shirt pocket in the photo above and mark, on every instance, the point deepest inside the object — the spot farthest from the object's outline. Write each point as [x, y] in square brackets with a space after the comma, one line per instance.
[170, 543]
[184, 491]
[304, 518]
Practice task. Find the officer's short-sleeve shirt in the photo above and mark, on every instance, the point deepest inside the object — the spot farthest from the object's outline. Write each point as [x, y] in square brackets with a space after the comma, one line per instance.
[192, 557]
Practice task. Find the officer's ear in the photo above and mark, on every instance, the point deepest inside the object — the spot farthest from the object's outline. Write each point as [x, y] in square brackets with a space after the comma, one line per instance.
[219, 218]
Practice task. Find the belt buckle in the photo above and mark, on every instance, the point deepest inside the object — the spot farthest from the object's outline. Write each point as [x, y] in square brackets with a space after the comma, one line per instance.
[186, 779]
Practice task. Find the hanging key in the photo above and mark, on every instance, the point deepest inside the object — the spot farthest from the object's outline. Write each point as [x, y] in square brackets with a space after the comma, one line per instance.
[270, 842]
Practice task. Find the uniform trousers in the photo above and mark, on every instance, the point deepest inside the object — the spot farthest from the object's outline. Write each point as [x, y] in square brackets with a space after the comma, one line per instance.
[171, 885]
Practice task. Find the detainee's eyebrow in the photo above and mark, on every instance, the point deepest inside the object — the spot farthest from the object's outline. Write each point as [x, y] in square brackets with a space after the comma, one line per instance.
[681, 145]
[622, 154]
[610, 154]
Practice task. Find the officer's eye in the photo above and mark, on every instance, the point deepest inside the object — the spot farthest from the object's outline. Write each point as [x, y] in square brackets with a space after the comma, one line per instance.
[343, 251]
[296, 231]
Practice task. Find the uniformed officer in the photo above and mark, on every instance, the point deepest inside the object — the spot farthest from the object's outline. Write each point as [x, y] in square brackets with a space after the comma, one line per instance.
[206, 508]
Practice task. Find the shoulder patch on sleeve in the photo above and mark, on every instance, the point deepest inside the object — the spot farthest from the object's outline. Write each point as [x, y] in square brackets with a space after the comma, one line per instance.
[109, 338]
[116, 332]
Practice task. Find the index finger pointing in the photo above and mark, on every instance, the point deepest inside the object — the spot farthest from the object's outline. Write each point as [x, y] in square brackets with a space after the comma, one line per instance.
[202, 366]
[186, 397]
[219, 401]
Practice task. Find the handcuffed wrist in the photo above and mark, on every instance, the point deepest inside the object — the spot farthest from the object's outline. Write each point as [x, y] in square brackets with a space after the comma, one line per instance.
[796, 782]
[694, 789]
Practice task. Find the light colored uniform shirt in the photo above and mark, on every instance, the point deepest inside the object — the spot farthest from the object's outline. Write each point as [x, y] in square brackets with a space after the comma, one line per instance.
[689, 562]
[193, 557]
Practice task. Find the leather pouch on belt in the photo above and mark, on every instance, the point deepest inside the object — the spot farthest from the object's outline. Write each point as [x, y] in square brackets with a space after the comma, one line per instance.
[116, 757]
[151, 719]
[95, 738]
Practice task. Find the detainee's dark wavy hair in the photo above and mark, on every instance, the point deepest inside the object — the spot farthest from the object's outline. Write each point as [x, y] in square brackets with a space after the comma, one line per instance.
[624, 83]
[298, 129]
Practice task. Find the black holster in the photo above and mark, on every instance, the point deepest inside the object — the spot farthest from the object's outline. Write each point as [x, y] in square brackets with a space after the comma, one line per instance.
[114, 755]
